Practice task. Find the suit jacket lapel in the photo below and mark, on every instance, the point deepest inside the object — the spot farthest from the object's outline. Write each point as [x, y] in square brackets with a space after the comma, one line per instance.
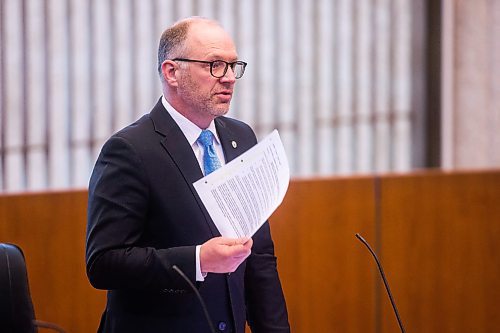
[176, 144]
[228, 139]
[181, 153]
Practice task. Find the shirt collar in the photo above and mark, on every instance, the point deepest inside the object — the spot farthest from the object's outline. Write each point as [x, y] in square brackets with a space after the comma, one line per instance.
[190, 130]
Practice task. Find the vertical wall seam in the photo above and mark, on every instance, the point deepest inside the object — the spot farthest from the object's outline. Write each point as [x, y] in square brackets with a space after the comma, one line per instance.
[92, 78]
[377, 184]
[3, 110]
[48, 91]
[71, 143]
[26, 96]
[113, 112]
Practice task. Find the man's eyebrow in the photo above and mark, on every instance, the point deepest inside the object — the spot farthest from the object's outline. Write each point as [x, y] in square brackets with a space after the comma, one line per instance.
[215, 56]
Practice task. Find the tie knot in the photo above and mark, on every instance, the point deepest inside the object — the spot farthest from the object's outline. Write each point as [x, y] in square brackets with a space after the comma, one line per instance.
[206, 138]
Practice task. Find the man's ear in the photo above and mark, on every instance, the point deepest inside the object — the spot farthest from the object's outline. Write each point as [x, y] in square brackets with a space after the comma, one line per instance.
[169, 72]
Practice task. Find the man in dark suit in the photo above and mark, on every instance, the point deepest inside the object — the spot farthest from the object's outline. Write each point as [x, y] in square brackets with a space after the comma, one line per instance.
[144, 215]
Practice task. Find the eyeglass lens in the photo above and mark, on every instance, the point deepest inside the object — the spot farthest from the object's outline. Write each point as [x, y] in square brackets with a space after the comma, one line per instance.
[219, 68]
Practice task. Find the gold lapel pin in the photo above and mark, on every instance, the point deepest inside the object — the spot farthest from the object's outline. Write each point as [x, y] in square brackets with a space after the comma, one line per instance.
[234, 144]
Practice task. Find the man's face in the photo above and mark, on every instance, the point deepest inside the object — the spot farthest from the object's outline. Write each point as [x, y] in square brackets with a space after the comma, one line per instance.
[205, 96]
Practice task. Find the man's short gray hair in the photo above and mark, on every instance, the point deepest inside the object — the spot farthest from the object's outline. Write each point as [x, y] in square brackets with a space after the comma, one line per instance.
[172, 41]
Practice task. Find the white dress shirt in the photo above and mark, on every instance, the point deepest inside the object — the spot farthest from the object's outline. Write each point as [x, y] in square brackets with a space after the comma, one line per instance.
[192, 132]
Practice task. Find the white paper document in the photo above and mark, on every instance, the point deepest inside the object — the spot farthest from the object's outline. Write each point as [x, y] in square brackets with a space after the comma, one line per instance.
[242, 195]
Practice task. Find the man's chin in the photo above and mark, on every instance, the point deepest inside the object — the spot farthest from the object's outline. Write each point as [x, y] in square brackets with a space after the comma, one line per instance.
[219, 112]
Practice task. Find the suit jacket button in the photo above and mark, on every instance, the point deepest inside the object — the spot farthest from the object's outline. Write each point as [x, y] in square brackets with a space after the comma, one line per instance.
[222, 326]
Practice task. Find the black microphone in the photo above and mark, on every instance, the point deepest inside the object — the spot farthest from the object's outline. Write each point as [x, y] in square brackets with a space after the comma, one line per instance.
[203, 305]
[381, 270]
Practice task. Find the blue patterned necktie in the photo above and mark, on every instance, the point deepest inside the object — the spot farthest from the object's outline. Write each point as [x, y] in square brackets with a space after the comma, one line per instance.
[210, 160]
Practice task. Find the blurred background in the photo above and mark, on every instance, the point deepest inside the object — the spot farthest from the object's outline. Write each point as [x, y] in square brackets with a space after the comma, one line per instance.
[367, 96]
[354, 87]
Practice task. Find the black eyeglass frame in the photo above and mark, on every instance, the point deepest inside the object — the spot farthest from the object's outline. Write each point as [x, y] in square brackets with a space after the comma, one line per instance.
[211, 63]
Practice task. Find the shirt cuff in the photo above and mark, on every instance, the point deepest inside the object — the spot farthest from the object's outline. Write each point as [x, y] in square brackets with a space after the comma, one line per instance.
[199, 275]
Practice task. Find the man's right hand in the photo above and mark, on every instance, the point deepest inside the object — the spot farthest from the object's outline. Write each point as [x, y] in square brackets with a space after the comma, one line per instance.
[224, 255]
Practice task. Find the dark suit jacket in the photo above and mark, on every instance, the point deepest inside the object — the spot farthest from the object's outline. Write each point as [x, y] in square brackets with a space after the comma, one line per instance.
[144, 216]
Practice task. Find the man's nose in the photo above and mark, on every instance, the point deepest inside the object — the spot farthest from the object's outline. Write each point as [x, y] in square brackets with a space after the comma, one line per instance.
[229, 76]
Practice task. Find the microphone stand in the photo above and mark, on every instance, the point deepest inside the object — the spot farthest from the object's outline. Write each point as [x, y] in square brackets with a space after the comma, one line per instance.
[381, 270]
[205, 310]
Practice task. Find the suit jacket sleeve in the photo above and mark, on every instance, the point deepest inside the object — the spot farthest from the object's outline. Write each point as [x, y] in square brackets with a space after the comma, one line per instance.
[117, 211]
[266, 307]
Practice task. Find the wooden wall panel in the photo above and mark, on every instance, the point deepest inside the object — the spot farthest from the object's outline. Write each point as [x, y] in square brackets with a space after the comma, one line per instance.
[440, 237]
[436, 235]
[50, 228]
[327, 274]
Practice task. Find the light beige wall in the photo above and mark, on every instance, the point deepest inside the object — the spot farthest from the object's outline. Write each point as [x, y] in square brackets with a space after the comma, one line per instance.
[471, 84]
[334, 77]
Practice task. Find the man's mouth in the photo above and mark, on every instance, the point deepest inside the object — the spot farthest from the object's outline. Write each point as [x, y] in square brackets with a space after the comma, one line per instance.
[225, 95]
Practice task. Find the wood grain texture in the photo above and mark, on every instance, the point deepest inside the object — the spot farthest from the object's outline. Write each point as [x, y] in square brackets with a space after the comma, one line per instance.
[50, 228]
[326, 274]
[436, 234]
[439, 244]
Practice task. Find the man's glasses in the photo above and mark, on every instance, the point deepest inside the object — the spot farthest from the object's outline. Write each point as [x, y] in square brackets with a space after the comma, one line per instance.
[218, 68]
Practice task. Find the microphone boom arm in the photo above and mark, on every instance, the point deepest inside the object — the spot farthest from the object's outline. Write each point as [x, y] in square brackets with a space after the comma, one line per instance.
[200, 299]
[381, 270]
